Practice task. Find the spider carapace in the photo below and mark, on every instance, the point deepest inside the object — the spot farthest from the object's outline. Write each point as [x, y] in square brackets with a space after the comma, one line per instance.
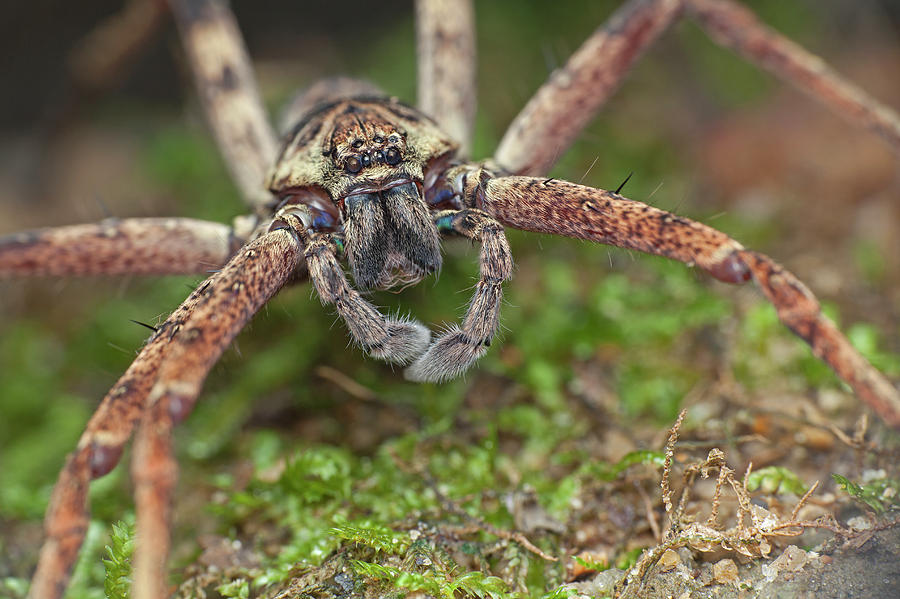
[372, 158]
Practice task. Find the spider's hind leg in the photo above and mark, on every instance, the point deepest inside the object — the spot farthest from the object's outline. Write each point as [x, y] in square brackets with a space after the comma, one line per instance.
[458, 348]
[445, 40]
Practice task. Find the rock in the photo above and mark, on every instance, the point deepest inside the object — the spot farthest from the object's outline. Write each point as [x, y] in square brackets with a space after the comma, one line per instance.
[668, 561]
[725, 571]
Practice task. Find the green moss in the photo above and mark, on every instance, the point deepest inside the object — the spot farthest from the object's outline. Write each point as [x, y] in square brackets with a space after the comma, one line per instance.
[774, 480]
[117, 583]
[880, 494]
[443, 584]
[239, 589]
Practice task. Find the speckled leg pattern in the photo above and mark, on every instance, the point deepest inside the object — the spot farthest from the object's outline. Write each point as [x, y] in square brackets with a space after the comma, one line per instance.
[142, 246]
[563, 208]
[227, 88]
[158, 390]
[460, 346]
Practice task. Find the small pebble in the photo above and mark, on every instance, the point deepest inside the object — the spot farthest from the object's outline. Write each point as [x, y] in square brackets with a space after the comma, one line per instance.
[725, 571]
[669, 560]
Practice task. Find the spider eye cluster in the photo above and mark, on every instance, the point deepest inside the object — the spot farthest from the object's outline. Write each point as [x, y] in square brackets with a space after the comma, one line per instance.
[392, 155]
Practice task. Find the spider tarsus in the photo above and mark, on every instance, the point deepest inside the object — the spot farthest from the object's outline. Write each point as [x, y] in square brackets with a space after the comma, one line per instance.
[447, 358]
[406, 340]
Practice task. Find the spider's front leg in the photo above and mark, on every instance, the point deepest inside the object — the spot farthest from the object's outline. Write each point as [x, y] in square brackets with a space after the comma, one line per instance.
[157, 391]
[393, 339]
[563, 208]
[460, 346]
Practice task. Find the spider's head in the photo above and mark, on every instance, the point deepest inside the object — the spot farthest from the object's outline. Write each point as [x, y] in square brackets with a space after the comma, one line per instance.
[369, 157]
[367, 151]
[389, 236]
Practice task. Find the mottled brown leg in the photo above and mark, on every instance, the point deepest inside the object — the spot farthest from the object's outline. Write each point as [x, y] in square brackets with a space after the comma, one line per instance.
[218, 308]
[567, 102]
[229, 301]
[735, 26]
[458, 348]
[98, 451]
[799, 310]
[563, 106]
[100, 59]
[155, 473]
[143, 246]
[445, 35]
[562, 208]
[228, 92]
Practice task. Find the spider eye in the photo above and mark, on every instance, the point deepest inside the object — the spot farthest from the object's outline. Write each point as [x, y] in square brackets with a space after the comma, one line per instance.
[352, 164]
[392, 156]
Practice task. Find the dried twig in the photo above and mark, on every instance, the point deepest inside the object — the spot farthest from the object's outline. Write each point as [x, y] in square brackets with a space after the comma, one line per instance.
[652, 520]
[803, 500]
[667, 465]
[333, 375]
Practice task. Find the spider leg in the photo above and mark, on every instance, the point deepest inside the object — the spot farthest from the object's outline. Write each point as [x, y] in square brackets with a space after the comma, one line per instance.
[397, 340]
[228, 92]
[230, 299]
[563, 208]
[167, 375]
[566, 103]
[735, 26]
[154, 471]
[445, 36]
[101, 59]
[457, 349]
[97, 453]
[144, 246]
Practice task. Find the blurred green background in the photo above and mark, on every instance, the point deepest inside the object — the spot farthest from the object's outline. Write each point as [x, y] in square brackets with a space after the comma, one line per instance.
[704, 133]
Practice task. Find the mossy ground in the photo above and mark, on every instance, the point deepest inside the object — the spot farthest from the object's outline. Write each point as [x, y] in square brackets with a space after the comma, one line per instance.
[413, 488]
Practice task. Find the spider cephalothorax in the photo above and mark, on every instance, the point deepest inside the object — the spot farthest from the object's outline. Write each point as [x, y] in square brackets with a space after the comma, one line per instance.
[370, 157]
[375, 181]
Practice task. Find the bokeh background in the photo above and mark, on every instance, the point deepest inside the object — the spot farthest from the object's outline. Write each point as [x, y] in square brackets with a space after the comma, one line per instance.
[625, 339]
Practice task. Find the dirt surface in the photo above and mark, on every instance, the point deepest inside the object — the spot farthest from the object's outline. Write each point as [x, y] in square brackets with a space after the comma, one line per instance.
[870, 570]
